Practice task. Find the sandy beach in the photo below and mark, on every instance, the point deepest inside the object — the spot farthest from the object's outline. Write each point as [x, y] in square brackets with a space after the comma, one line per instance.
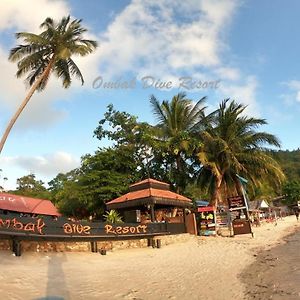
[202, 268]
[275, 274]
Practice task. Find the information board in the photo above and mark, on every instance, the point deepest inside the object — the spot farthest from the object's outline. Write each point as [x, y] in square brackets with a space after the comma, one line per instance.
[236, 202]
[207, 220]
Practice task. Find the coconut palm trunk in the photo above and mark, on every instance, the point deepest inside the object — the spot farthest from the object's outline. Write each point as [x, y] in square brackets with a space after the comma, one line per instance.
[25, 102]
[178, 175]
[216, 197]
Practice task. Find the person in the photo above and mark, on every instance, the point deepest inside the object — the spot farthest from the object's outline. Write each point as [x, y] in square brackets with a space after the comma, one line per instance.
[297, 214]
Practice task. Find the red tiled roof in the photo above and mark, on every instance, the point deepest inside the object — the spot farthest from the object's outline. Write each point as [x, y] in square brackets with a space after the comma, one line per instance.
[149, 193]
[27, 205]
[149, 180]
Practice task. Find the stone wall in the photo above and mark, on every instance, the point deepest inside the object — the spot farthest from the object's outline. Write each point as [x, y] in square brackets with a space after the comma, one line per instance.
[86, 246]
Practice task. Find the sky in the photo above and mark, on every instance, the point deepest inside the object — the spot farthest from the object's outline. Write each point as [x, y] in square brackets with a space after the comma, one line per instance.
[244, 50]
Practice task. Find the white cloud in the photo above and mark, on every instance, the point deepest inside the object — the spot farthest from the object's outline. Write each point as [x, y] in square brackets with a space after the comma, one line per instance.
[26, 16]
[244, 92]
[227, 73]
[48, 164]
[293, 84]
[293, 94]
[165, 37]
[45, 167]
[169, 39]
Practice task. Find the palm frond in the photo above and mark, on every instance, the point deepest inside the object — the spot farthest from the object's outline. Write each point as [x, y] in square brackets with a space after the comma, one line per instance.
[157, 110]
[74, 70]
[59, 40]
[62, 70]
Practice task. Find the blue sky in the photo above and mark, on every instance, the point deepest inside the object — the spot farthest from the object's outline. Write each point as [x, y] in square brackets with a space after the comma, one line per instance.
[251, 48]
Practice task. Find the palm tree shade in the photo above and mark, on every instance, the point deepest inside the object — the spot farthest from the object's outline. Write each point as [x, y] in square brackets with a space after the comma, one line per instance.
[46, 53]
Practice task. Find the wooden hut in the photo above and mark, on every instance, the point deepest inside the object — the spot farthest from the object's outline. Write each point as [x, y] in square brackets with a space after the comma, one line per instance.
[153, 200]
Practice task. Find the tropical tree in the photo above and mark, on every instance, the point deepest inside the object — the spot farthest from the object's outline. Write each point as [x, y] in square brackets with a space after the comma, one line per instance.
[291, 191]
[46, 53]
[124, 130]
[102, 177]
[178, 122]
[290, 163]
[233, 146]
[28, 185]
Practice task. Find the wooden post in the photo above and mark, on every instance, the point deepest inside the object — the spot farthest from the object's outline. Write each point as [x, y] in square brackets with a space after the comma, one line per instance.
[158, 243]
[16, 247]
[152, 213]
[94, 247]
[153, 243]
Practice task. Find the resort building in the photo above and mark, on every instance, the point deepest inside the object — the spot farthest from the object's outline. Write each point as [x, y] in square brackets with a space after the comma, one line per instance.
[16, 204]
[151, 200]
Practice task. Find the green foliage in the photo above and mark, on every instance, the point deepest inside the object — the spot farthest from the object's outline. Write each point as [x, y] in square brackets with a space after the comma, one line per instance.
[29, 186]
[112, 216]
[126, 132]
[101, 177]
[178, 122]
[289, 162]
[195, 192]
[291, 190]
[233, 146]
[191, 155]
[265, 191]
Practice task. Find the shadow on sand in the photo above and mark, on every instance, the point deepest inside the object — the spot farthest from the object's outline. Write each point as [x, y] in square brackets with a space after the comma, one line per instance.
[56, 284]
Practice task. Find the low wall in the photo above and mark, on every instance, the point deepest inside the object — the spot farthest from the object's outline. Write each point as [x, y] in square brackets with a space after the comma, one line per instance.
[86, 246]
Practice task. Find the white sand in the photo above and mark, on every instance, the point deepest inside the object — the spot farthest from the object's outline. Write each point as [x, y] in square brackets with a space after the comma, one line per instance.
[202, 268]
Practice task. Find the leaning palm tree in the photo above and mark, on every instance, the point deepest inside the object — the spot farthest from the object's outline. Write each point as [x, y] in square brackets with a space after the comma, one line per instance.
[233, 146]
[46, 53]
[178, 122]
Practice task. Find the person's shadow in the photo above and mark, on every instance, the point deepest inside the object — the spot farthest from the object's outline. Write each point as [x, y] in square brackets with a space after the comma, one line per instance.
[56, 284]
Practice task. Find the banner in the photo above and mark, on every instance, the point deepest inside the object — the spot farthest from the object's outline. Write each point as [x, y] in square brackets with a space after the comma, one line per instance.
[47, 227]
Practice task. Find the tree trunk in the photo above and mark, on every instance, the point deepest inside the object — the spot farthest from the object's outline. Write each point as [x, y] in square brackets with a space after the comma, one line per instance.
[217, 192]
[238, 186]
[24, 103]
[179, 174]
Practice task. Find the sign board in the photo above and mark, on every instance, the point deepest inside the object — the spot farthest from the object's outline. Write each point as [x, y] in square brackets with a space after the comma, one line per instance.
[240, 216]
[47, 227]
[222, 218]
[207, 220]
[236, 202]
[241, 226]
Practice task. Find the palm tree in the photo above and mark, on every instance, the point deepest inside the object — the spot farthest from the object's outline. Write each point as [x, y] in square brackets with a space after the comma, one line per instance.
[178, 122]
[46, 53]
[233, 146]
